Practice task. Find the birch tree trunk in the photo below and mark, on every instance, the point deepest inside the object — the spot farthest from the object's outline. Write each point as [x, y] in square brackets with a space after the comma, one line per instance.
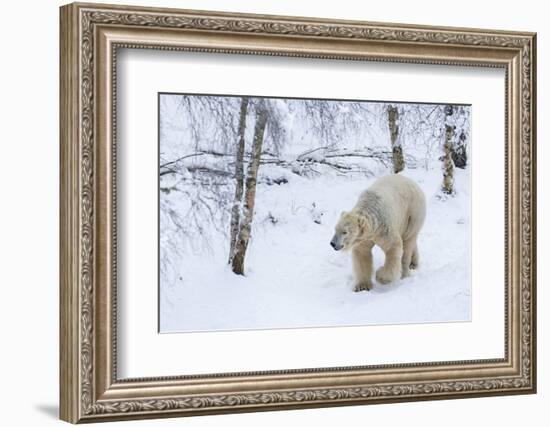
[448, 165]
[239, 177]
[397, 150]
[460, 154]
[241, 244]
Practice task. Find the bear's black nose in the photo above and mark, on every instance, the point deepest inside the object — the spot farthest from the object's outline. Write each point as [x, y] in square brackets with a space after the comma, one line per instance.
[333, 244]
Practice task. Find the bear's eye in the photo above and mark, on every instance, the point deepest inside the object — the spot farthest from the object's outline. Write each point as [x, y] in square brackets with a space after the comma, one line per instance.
[344, 232]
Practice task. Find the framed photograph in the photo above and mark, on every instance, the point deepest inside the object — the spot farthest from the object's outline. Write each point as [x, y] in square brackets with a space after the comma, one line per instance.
[267, 212]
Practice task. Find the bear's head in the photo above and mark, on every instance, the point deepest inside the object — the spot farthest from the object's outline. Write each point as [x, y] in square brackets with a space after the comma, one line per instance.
[348, 231]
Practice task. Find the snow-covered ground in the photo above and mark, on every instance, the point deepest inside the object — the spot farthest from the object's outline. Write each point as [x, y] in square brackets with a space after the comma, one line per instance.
[295, 279]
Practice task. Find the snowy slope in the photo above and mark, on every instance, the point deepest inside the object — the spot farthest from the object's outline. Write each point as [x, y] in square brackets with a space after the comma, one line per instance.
[294, 278]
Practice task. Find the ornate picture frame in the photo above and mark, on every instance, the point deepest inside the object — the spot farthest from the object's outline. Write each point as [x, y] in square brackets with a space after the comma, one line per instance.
[90, 37]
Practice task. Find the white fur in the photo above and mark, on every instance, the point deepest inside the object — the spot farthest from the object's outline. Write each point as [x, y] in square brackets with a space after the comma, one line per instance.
[390, 214]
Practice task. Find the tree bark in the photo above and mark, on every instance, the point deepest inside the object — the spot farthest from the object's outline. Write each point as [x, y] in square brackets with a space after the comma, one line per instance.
[239, 180]
[397, 150]
[459, 154]
[448, 164]
[243, 238]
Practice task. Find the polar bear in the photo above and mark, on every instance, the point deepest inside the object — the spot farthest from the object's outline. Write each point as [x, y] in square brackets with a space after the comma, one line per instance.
[390, 214]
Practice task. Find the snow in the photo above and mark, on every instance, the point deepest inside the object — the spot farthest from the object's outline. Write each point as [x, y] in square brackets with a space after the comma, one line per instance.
[294, 279]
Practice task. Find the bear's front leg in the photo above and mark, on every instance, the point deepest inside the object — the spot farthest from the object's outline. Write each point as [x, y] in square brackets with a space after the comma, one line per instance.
[362, 266]
[391, 270]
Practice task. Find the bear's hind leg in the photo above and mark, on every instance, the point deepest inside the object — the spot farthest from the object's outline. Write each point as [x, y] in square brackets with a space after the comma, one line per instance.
[409, 246]
[362, 266]
[415, 258]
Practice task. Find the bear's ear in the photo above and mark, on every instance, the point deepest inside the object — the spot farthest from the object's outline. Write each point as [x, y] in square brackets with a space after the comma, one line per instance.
[361, 221]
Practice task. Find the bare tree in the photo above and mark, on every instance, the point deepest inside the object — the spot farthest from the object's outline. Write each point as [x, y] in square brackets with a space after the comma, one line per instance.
[448, 164]
[239, 180]
[459, 152]
[397, 150]
[196, 135]
[241, 244]
[319, 113]
[460, 143]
